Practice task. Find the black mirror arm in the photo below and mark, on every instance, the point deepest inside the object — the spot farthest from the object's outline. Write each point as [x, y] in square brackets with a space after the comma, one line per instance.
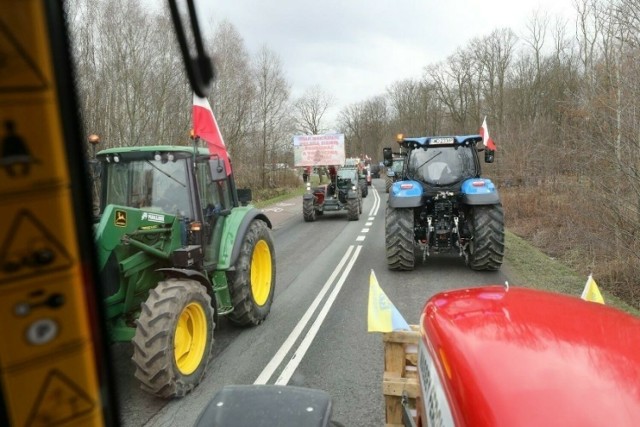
[199, 69]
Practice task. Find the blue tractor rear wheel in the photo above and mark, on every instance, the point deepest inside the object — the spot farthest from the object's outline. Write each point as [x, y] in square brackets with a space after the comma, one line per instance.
[399, 240]
[486, 248]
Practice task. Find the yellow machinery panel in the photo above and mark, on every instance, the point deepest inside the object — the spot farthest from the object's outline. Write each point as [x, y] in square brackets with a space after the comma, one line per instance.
[48, 371]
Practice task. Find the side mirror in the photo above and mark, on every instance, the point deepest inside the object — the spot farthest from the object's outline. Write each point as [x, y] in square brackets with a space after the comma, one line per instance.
[488, 156]
[244, 196]
[218, 170]
[387, 156]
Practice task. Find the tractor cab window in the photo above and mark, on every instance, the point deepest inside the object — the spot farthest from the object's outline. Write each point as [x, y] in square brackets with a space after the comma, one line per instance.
[149, 184]
[211, 195]
[442, 165]
[351, 174]
[397, 166]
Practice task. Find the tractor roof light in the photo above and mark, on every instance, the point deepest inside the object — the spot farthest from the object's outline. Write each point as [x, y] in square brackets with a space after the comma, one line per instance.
[116, 158]
[195, 226]
[171, 157]
[94, 139]
[399, 138]
[157, 157]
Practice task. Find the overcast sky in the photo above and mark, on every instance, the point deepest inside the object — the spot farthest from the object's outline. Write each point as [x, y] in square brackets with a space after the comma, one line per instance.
[354, 49]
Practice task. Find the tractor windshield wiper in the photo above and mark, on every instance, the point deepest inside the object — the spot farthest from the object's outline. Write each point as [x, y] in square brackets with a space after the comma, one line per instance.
[165, 173]
[427, 161]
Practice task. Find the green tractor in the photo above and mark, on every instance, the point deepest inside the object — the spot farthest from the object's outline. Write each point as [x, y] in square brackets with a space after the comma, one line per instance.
[178, 247]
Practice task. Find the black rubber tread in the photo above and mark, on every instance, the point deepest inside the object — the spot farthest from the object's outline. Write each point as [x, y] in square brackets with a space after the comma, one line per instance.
[353, 209]
[387, 183]
[365, 191]
[153, 342]
[246, 312]
[486, 248]
[399, 239]
[308, 210]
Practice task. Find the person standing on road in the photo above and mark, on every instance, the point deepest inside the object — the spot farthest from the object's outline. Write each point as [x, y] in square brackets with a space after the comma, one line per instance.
[306, 173]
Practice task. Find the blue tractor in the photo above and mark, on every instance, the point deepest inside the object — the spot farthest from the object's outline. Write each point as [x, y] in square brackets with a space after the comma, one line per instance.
[443, 205]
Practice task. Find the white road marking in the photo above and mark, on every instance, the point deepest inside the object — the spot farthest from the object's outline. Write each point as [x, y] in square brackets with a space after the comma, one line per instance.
[275, 361]
[368, 224]
[360, 238]
[365, 230]
[288, 370]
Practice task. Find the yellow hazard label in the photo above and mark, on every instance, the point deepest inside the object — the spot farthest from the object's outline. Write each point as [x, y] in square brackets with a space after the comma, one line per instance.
[46, 316]
[36, 237]
[60, 391]
[31, 152]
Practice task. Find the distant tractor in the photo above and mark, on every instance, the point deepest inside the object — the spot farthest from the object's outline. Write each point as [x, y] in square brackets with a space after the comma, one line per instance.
[394, 171]
[442, 205]
[343, 193]
[178, 248]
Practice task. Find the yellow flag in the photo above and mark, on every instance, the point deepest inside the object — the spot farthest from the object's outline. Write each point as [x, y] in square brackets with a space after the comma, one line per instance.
[383, 316]
[591, 291]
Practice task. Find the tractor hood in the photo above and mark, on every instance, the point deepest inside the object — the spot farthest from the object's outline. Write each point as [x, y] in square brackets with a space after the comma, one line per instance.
[496, 356]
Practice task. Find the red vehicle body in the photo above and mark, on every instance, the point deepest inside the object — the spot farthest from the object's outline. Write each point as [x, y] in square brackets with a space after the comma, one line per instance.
[497, 356]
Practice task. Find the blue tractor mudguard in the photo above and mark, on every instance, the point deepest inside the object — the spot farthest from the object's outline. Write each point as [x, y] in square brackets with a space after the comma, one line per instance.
[479, 191]
[405, 194]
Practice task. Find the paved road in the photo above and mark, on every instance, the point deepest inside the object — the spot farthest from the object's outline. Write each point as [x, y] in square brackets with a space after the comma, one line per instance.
[316, 335]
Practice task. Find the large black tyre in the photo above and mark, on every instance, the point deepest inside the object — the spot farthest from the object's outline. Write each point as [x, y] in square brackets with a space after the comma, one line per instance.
[308, 210]
[353, 209]
[252, 283]
[173, 339]
[399, 239]
[365, 191]
[387, 183]
[486, 248]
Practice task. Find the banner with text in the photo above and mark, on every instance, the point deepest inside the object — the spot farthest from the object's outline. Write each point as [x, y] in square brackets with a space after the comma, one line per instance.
[318, 150]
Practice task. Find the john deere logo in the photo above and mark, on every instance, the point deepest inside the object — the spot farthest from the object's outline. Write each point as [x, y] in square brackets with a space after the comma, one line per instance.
[121, 218]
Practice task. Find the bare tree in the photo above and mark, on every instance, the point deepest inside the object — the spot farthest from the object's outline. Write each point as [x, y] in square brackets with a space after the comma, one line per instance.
[272, 113]
[234, 89]
[309, 110]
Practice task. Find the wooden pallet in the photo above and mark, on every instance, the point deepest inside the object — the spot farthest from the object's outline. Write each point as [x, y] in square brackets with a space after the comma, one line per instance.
[400, 373]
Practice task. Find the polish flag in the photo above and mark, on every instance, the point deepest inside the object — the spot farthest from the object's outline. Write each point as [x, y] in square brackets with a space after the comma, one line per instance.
[205, 127]
[486, 139]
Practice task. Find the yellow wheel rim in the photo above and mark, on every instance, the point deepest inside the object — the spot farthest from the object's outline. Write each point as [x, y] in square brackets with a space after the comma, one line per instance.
[190, 339]
[261, 272]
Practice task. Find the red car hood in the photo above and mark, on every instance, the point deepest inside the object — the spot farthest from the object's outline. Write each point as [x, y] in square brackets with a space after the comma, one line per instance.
[521, 357]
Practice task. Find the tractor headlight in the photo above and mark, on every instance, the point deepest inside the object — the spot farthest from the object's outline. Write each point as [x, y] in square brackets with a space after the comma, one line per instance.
[353, 187]
[308, 186]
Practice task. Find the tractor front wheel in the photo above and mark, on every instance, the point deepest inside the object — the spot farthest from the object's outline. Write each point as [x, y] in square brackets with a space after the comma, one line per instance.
[308, 210]
[173, 338]
[252, 283]
[486, 248]
[353, 209]
[399, 239]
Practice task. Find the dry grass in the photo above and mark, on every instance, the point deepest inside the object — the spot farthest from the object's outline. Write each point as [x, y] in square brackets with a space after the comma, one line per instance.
[565, 221]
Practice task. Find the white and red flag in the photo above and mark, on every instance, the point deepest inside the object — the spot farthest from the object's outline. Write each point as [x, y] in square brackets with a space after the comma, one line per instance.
[486, 139]
[205, 127]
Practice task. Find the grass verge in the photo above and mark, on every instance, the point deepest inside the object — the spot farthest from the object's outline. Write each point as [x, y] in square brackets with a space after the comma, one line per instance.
[527, 266]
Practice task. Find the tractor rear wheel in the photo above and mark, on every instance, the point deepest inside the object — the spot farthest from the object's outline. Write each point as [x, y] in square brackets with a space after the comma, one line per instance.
[173, 338]
[399, 239]
[252, 283]
[486, 248]
[353, 209]
[308, 210]
[387, 183]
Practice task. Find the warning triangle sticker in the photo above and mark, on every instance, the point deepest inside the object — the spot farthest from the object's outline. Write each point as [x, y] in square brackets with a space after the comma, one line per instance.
[59, 401]
[30, 249]
[18, 71]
